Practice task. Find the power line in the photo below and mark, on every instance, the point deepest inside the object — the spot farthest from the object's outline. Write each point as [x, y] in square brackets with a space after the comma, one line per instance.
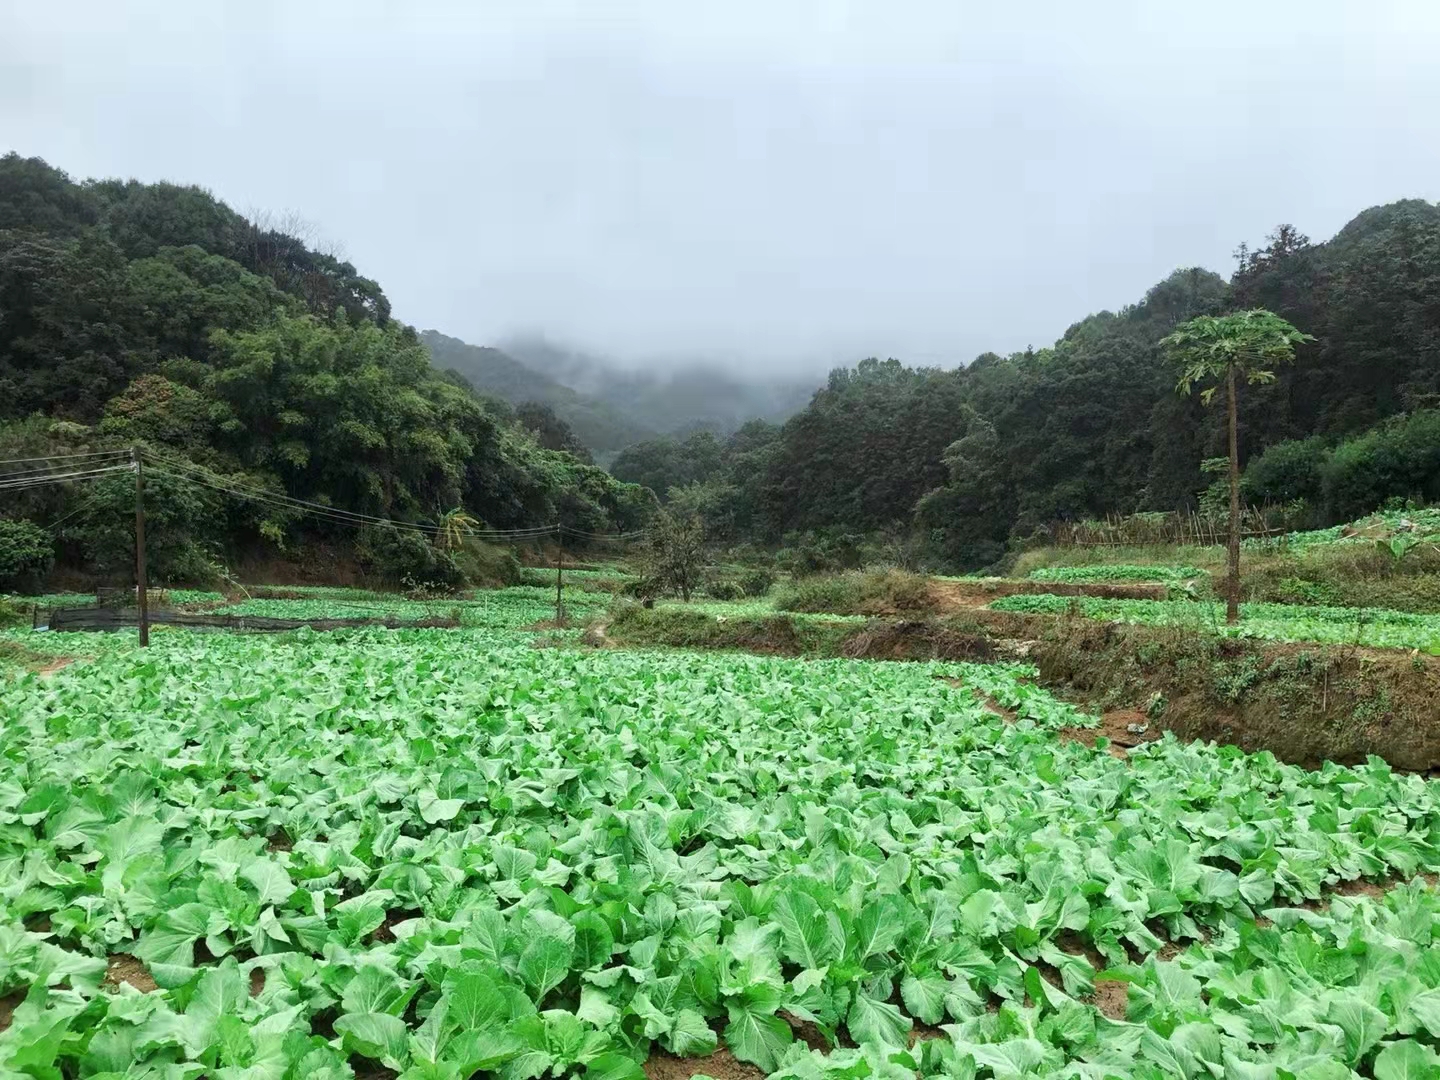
[59, 478]
[336, 513]
[95, 464]
[49, 470]
[340, 516]
[64, 457]
[204, 476]
[634, 534]
[86, 504]
[336, 516]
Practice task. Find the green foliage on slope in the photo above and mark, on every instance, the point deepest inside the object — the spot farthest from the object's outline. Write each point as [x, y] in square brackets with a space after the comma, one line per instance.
[155, 315]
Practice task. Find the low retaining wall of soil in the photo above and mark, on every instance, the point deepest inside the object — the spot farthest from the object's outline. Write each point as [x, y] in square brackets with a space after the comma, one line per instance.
[1304, 703]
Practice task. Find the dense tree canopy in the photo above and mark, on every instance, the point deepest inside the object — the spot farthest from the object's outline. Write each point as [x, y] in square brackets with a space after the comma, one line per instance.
[972, 459]
[154, 314]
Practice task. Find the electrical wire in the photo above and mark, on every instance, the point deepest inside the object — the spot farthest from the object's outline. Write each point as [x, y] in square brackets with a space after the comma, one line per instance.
[338, 515]
[63, 457]
[347, 517]
[634, 534]
[48, 470]
[334, 513]
[203, 476]
[60, 478]
[86, 504]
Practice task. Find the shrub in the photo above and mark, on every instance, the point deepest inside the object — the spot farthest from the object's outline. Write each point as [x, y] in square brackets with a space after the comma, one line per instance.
[1285, 472]
[724, 589]
[405, 557]
[821, 552]
[757, 582]
[675, 554]
[838, 593]
[488, 566]
[1399, 458]
[26, 553]
[184, 524]
[868, 592]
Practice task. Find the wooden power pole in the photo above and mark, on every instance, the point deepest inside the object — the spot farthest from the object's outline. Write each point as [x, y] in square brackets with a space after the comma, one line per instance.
[141, 592]
[559, 574]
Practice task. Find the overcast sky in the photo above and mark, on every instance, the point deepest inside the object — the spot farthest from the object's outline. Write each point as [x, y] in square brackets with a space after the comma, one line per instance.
[769, 182]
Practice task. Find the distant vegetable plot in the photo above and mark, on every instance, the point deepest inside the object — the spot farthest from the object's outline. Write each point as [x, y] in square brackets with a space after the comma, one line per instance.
[1117, 572]
[1277, 622]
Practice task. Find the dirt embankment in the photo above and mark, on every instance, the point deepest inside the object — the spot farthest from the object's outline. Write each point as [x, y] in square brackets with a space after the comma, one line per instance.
[1304, 703]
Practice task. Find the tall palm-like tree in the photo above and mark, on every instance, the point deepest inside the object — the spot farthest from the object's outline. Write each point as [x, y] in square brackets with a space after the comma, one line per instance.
[453, 527]
[1220, 350]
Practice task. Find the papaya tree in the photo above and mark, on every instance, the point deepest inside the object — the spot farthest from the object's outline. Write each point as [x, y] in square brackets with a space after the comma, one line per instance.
[1220, 350]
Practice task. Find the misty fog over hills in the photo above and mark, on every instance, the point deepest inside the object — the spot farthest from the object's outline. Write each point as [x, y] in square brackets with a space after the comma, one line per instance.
[611, 406]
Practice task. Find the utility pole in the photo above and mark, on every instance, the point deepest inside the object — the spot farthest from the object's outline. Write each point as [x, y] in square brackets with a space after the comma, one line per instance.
[141, 593]
[559, 574]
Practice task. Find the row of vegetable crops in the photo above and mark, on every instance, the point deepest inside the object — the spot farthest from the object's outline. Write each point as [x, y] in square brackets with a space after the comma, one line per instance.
[1118, 572]
[443, 852]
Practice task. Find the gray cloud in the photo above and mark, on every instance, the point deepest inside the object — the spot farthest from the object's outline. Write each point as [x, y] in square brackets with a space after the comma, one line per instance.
[773, 184]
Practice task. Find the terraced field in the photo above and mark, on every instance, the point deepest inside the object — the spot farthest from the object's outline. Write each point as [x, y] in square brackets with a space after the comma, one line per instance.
[1374, 627]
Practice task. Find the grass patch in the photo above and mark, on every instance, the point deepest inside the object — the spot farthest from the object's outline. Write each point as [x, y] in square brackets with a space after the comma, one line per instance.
[687, 628]
[859, 592]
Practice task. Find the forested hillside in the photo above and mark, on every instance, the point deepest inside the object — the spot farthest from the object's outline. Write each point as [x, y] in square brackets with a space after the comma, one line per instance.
[599, 425]
[966, 461]
[154, 315]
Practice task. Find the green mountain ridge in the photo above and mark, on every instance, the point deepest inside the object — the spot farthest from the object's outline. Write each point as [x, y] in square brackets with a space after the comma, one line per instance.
[601, 426]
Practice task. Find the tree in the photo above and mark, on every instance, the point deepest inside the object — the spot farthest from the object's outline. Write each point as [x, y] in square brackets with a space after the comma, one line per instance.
[551, 431]
[1222, 349]
[676, 552]
[453, 526]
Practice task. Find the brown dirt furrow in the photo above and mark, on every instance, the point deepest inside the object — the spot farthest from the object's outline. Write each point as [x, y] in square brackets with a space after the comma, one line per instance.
[807, 1032]
[1115, 726]
[722, 1065]
[124, 968]
[1112, 997]
[8, 1004]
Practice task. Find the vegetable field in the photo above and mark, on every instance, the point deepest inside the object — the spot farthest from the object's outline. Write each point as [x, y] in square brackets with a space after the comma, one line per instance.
[1117, 572]
[1275, 622]
[442, 852]
[512, 608]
